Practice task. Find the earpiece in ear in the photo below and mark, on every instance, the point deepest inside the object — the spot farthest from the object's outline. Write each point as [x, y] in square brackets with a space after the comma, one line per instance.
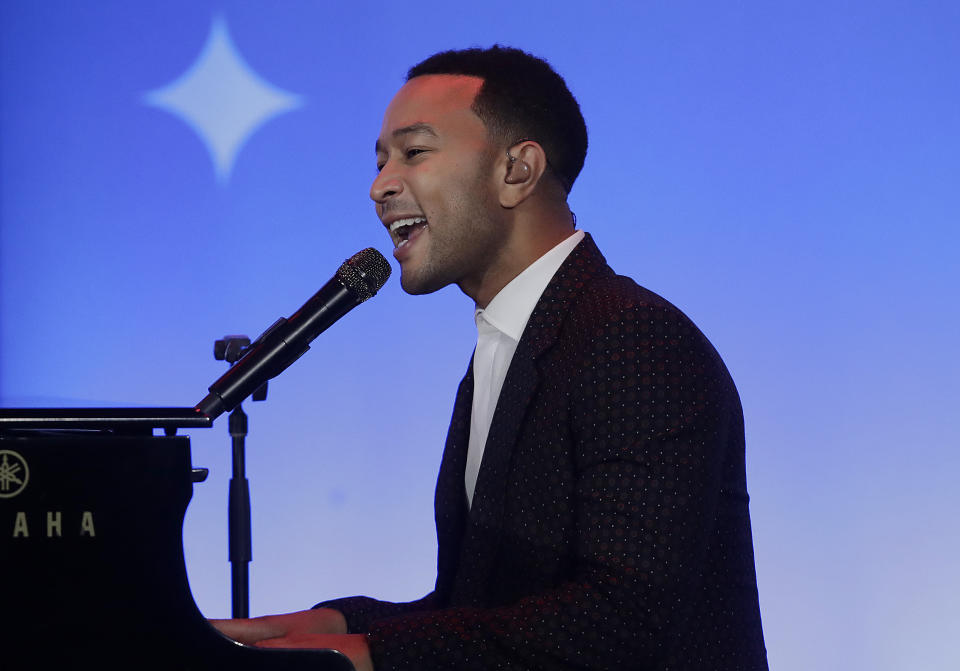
[517, 171]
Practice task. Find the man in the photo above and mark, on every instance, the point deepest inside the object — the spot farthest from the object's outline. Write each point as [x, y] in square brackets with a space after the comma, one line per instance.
[591, 506]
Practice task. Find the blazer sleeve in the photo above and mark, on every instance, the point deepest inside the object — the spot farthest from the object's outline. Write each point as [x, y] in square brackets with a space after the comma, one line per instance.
[361, 612]
[653, 415]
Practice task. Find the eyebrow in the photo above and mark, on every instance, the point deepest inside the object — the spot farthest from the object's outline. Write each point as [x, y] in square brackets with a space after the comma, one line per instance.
[412, 129]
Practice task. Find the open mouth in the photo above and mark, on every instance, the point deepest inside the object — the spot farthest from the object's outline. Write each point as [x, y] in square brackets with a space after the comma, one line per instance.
[404, 230]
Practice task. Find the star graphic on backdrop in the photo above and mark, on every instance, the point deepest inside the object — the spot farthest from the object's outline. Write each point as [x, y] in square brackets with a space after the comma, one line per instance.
[222, 99]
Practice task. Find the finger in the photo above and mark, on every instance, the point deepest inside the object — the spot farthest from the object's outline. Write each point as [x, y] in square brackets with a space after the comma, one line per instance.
[249, 631]
[230, 628]
[282, 642]
[297, 641]
[303, 640]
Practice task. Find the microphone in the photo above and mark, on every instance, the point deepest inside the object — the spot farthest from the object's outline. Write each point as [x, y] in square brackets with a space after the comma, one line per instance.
[359, 278]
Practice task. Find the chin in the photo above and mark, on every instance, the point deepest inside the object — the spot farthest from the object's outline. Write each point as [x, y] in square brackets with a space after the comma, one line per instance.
[418, 286]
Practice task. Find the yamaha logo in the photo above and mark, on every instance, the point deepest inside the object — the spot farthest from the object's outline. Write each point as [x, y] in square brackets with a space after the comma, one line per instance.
[14, 474]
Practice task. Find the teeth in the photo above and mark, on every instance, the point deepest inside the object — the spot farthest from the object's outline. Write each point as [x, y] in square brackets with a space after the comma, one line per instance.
[400, 223]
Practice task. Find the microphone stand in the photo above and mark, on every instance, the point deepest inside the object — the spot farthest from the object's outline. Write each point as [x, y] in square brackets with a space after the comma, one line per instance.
[359, 278]
[231, 349]
[238, 504]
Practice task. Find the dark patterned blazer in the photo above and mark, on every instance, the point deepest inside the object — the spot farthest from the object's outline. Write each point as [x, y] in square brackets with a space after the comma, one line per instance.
[609, 526]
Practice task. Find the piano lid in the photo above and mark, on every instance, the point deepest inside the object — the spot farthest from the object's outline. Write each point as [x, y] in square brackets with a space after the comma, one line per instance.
[116, 420]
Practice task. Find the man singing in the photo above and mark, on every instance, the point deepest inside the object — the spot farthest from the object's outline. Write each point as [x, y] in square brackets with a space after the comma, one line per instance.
[591, 505]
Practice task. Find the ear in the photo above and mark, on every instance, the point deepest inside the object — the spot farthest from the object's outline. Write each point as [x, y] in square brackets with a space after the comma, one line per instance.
[522, 166]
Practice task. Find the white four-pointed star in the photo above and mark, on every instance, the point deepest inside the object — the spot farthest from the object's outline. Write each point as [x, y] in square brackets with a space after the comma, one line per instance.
[222, 99]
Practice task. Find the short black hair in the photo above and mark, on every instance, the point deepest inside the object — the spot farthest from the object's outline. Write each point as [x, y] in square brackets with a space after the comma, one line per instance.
[522, 98]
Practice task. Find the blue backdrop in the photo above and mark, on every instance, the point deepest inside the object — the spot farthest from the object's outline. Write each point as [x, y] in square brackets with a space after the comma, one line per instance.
[786, 173]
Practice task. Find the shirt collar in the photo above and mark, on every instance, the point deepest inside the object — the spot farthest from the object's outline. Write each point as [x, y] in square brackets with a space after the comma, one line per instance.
[510, 309]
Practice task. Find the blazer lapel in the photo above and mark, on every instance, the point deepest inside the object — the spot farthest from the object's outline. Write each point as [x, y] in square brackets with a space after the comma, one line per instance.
[484, 519]
[450, 498]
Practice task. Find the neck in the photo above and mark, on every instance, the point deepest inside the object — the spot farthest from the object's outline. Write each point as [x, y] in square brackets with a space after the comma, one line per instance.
[530, 241]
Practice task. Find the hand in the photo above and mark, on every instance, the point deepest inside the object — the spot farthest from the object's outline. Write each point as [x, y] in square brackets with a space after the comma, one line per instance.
[253, 630]
[318, 628]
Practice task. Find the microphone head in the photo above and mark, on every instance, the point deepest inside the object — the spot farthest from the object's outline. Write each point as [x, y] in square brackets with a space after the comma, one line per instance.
[364, 273]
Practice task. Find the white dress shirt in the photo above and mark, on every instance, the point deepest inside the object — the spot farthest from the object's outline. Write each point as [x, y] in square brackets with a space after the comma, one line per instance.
[499, 328]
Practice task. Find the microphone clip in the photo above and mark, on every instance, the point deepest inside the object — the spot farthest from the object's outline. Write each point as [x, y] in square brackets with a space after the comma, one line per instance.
[232, 348]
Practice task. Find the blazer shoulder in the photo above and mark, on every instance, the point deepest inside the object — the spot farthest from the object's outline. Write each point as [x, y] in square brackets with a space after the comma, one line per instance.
[614, 313]
[612, 297]
[586, 283]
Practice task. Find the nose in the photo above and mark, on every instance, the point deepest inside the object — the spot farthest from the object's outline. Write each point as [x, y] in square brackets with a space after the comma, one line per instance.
[385, 185]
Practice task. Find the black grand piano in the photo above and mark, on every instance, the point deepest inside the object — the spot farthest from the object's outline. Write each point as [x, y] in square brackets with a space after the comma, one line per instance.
[92, 573]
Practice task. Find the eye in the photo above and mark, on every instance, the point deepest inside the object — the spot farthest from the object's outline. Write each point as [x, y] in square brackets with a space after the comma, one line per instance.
[413, 152]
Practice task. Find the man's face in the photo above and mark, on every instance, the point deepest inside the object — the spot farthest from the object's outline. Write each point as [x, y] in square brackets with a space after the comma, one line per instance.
[435, 191]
